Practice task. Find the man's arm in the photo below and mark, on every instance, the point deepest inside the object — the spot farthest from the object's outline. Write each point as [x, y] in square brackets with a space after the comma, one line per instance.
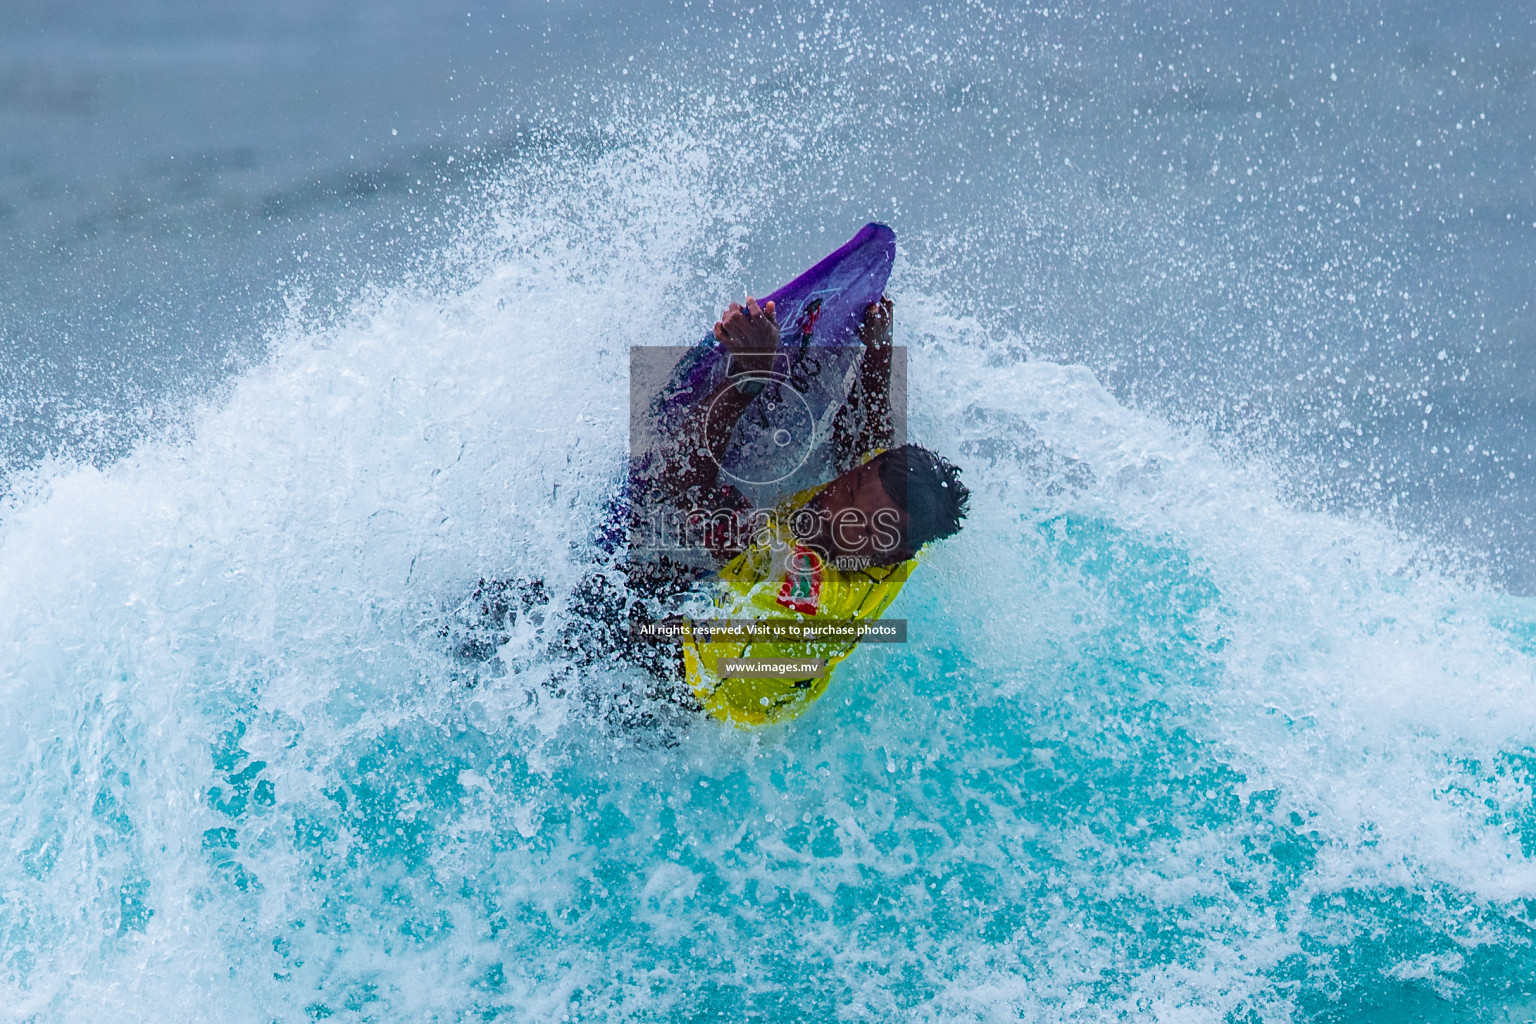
[690, 456]
[864, 424]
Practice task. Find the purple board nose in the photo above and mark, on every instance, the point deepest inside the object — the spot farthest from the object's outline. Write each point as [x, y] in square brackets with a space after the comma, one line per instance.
[822, 306]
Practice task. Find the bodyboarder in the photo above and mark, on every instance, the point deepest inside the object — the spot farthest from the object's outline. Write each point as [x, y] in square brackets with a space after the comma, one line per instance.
[835, 553]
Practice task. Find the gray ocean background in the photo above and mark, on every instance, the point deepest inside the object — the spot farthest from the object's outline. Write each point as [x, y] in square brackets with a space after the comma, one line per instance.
[1308, 230]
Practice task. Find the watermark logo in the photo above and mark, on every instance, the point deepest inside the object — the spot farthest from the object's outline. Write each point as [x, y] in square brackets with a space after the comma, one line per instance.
[725, 459]
[784, 436]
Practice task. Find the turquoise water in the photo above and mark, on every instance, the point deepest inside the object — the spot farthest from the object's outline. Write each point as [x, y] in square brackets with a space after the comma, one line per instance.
[1170, 742]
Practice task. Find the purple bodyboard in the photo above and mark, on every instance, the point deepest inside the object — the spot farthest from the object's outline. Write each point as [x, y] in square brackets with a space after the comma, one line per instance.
[818, 313]
[821, 307]
[824, 305]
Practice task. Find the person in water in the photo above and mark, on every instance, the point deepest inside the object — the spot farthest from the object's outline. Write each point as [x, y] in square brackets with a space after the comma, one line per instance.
[836, 553]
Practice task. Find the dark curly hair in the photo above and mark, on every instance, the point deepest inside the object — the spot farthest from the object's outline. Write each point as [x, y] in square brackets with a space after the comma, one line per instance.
[928, 488]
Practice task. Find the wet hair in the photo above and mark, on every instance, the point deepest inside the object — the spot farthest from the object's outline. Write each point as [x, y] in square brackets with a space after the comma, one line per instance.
[928, 488]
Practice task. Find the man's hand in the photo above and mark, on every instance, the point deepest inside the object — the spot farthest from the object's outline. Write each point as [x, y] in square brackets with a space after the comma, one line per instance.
[750, 334]
[875, 330]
